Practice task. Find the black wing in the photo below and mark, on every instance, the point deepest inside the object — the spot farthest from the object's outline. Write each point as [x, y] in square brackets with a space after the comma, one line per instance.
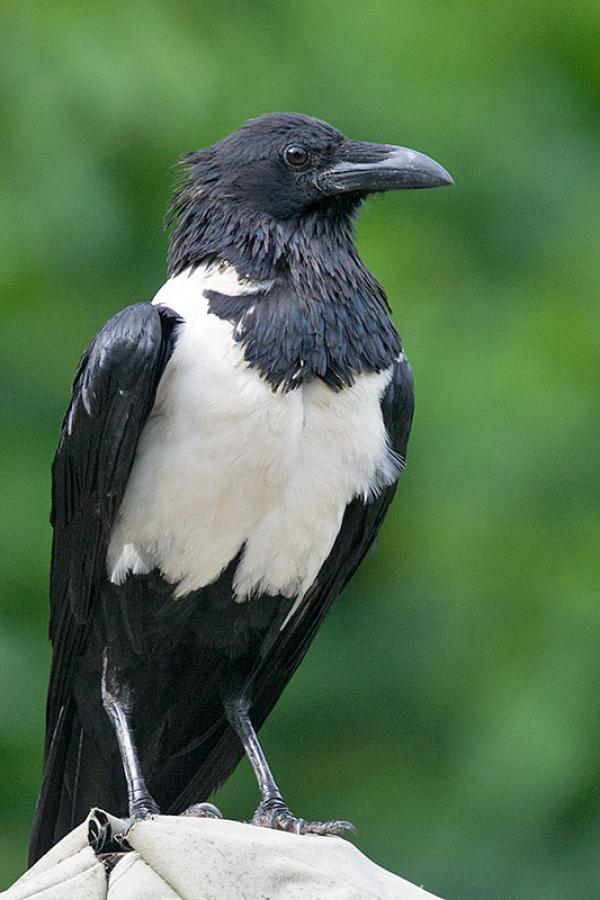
[113, 394]
[286, 649]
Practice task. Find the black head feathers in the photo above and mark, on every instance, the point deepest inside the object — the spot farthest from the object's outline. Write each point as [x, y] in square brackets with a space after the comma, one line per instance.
[245, 197]
[276, 200]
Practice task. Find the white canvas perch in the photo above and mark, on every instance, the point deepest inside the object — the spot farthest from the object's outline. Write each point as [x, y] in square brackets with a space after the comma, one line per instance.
[210, 859]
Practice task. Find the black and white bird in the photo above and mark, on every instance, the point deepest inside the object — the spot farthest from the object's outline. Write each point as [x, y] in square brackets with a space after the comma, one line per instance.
[226, 461]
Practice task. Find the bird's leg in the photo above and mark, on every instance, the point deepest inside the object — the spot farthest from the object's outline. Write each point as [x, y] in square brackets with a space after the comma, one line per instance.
[272, 811]
[117, 702]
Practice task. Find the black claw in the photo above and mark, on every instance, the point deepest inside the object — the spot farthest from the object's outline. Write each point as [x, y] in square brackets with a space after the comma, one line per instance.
[121, 839]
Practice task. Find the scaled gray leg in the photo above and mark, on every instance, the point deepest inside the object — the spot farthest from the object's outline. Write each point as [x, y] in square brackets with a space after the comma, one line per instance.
[272, 811]
[118, 703]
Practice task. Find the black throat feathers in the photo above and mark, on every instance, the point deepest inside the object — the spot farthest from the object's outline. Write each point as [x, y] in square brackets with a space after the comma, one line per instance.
[324, 315]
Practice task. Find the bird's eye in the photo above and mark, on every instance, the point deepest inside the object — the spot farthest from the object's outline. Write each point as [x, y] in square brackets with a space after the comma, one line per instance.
[295, 155]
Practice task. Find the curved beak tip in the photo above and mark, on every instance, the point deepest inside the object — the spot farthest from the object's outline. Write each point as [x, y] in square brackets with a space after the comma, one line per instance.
[416, 170]
[371, 168]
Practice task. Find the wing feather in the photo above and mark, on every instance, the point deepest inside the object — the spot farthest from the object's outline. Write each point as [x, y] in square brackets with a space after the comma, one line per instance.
[113, 393]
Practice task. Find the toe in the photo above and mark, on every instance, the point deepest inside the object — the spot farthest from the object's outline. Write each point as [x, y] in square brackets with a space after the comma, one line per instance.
[143, 809]
[276, 815]
[203, 811]
[333, 827]
[291, 823]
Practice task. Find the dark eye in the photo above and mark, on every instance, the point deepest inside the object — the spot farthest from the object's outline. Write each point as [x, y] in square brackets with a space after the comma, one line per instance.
[295, 155]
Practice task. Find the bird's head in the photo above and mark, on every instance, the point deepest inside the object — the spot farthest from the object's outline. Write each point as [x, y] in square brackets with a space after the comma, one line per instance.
[276, 174]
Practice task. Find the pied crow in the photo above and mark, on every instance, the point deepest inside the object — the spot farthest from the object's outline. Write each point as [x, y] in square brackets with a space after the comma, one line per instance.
[227, 458]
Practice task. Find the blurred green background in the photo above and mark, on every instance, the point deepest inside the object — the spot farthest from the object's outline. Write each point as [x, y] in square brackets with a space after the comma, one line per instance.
[450, 706]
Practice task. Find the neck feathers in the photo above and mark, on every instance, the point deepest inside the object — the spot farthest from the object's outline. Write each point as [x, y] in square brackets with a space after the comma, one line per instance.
[319, 313]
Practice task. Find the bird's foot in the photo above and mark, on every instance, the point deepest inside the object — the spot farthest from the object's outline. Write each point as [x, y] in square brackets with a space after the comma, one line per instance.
[275, 814]
[138, 811]
[143, 809]
[203, 811]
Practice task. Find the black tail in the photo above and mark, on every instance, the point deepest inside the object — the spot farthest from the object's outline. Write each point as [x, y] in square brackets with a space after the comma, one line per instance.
[76, 778]
[187, 749]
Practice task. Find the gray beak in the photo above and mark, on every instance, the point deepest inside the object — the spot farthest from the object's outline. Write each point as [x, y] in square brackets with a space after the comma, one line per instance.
[368, 168]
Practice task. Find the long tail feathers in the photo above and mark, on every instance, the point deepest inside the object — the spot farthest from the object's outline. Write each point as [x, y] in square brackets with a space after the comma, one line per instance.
[76, 777]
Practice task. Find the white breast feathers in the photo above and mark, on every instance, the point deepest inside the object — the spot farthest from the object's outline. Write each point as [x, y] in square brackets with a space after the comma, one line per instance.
[225, 463]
